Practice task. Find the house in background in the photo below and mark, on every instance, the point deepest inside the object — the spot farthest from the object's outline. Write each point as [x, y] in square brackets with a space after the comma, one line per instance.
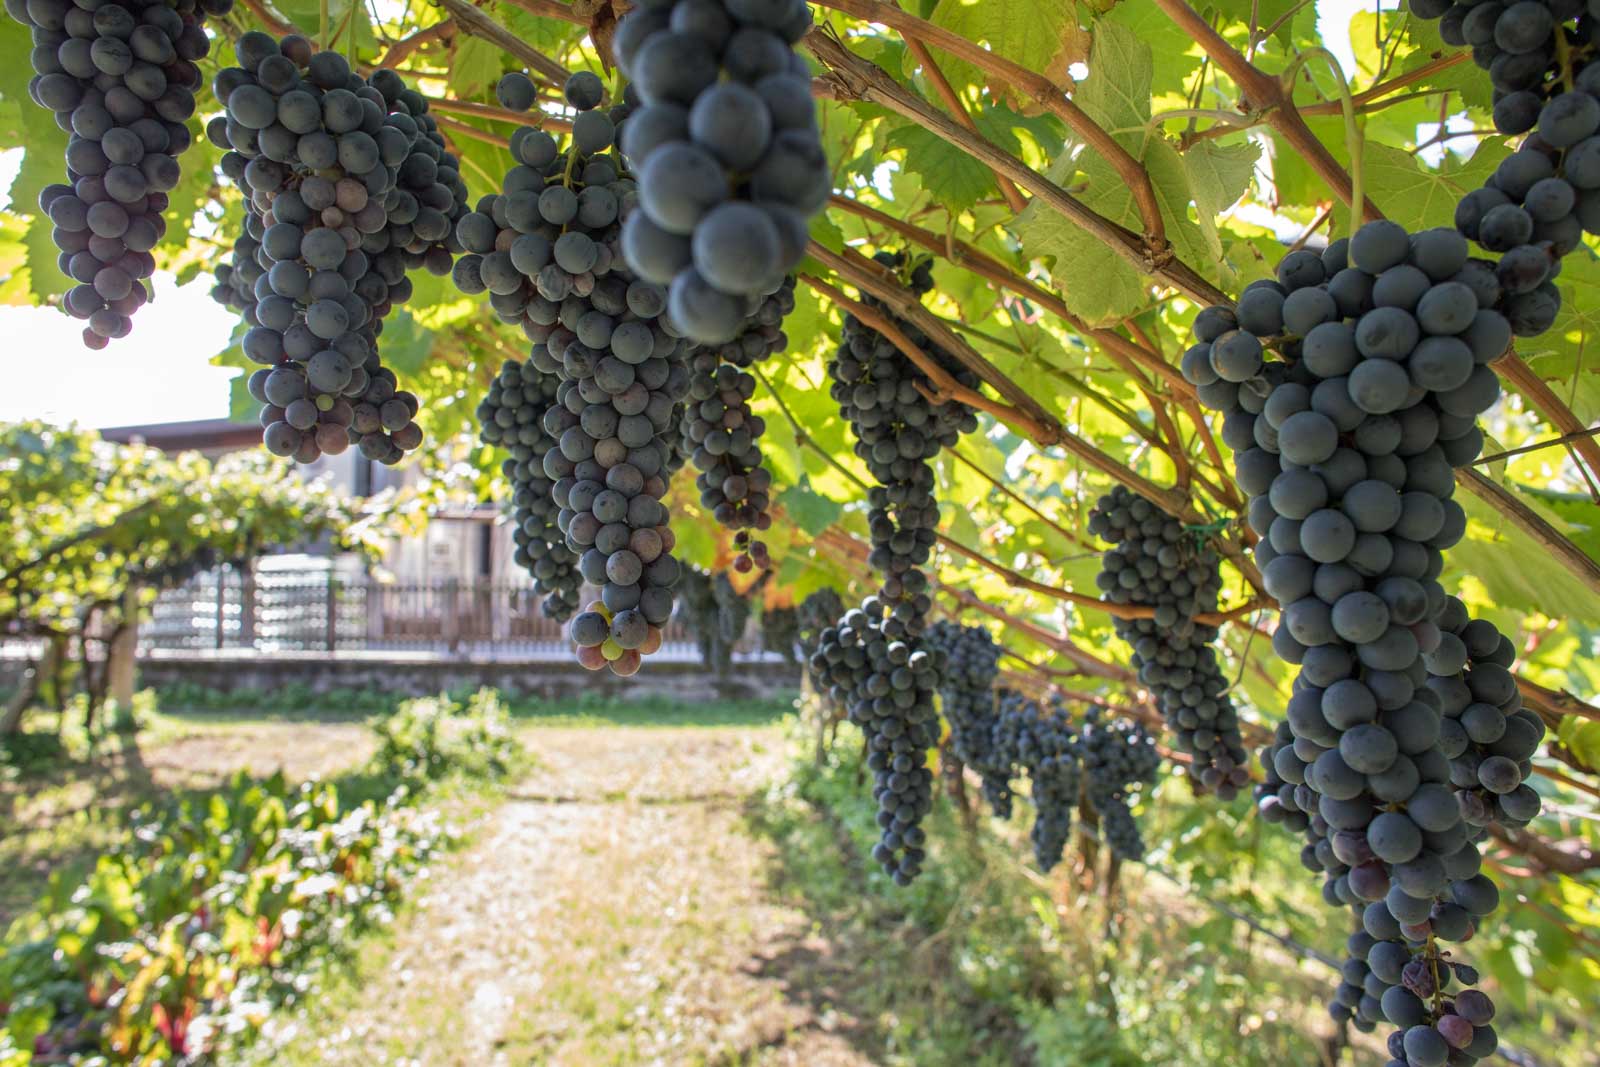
[469, 545]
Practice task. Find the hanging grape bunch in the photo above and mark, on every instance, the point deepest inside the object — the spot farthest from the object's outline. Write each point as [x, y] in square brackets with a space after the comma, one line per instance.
[545, 248]
[1486, 733]
[780, 631]
[723, 434]
[512, 416]
[1273, 795]
[1346, 444]
[818, 611]
[348, 186]
[121, 78]
[1155, 562]
[1044, 743]
[1541, 200]
[696, 609]
[898, 431]
[1119, 760]
[877, 671]
[728, 156]
[967, 698]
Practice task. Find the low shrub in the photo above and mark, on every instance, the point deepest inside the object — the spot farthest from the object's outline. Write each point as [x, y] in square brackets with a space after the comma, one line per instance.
[214, 909]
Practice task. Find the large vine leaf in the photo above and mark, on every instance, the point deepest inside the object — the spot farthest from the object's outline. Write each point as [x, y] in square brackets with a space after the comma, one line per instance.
[1104, 287]
[1039, 37]
[1420, 197]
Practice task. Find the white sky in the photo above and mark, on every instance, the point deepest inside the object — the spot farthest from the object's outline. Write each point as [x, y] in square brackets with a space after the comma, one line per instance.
[161, 372]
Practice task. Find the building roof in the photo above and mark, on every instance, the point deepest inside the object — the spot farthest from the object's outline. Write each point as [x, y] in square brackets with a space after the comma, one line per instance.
[203, 434]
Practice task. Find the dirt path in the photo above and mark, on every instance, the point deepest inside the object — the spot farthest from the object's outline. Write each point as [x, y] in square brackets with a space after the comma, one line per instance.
[612, 911]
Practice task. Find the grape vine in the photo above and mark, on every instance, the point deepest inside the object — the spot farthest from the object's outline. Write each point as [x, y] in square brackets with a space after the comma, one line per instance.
[654, 249]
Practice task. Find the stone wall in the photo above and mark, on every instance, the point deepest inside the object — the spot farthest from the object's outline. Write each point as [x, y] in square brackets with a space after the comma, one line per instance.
[419, 675]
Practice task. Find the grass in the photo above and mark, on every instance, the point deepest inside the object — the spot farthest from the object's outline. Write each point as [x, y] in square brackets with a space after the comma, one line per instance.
[301, 704]
[607, 915]
[985, 960]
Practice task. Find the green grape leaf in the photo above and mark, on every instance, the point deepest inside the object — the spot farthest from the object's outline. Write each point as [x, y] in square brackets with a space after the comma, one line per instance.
[475, 66]
[1562, 355]
[1513, 569]
[808, 509]
[307, 18]
[1117, 92]
[45, 279]
[406, 343]
[1419, 198]
[1219, 175]
[1582, 738]
[954, 178]
[242, 407]
[1041, 37]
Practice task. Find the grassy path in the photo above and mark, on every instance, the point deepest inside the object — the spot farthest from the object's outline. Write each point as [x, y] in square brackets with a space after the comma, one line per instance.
[613, 910]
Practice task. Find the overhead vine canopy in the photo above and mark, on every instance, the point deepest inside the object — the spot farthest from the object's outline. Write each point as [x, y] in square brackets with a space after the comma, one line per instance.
[1031, 202]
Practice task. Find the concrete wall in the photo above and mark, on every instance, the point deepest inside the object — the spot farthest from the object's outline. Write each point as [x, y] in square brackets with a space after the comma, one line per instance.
[425, 674]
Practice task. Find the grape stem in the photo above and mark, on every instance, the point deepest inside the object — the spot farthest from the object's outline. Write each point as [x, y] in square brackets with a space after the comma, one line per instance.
[1352, 128]
[801, 436]
[1564, 58]
[852, 78]
[1046, 93]
[1548, 442]
[474, 22]
[1264, 95]
[952, 102]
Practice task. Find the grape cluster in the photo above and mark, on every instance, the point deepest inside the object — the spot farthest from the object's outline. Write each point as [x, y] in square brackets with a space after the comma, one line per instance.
[348, 185]
[818, 611]
[1098, 762]
[511, 416]
[727, 150]
[1045, 744]
[1395, 971]
[545, 248]
[967, 698]
[120, 76]
[697, 610]
[1154, 561]
[874, 666]
[1346, 444]
[1486, 733]
[780, 631]
[723, 434]
[1119, 758]
[1544, 197]
[1275, 797]
[898, 431]
[716, 612]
